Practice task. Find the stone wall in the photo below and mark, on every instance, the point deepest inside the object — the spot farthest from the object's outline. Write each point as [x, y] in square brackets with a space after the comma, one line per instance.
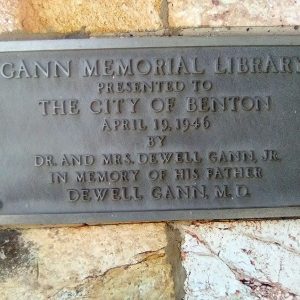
[191, 260]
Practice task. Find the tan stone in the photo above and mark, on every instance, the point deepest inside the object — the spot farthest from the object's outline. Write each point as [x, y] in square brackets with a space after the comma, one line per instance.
[146, 280]
[67, 263]
[217, 13]
[71, 16]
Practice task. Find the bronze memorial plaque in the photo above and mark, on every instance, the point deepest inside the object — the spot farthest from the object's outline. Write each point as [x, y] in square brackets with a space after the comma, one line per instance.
[141, 129]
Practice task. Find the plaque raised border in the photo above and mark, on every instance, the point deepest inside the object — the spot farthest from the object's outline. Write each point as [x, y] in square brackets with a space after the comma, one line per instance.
[164, 214]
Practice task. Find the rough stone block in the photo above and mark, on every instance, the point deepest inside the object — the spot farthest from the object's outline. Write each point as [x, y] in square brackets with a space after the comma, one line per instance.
[242, 260]
[88, 16]
[91, 262]
[217, 13]
[9, 21]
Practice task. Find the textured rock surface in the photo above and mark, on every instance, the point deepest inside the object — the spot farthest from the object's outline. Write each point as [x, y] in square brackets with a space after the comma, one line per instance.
[71, 16]
[105, 262]
[9, 20]
[95, 17]
[217, 13]
[242, 260]
[222, 260]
